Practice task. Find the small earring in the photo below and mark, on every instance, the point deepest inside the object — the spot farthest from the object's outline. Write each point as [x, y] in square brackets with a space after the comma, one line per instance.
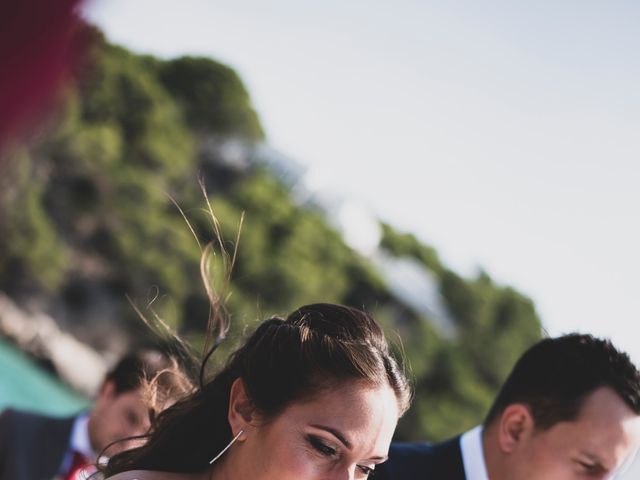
[233, 440]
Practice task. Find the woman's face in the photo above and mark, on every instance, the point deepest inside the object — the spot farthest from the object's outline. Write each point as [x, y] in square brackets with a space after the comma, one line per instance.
[342, 433]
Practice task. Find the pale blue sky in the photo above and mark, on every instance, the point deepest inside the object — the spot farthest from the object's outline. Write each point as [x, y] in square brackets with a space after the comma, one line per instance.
[504, 134]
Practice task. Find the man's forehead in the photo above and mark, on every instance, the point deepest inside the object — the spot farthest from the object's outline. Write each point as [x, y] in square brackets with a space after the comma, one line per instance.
[608, 429]
[604, 407]
[136, 397]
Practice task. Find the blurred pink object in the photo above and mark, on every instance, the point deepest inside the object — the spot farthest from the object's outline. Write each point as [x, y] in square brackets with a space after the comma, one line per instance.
[40, 44]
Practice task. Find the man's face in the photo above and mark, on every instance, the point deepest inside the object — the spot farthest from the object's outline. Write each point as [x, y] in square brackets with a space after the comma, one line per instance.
[117, 416]
[594, 446]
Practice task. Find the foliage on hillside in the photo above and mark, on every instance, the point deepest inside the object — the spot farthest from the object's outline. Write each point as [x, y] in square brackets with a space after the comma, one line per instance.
[87, 220]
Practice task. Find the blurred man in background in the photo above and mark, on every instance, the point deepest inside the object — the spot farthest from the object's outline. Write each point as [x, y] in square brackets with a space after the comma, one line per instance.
[570, 409]
[37, 447]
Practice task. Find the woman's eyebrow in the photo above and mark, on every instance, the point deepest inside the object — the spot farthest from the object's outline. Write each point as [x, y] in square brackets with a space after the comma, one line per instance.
[335, 433]
[345, 442]
[379, 459]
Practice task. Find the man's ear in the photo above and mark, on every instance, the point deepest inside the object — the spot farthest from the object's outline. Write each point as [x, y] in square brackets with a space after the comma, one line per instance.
[242, 413]
[515, 424]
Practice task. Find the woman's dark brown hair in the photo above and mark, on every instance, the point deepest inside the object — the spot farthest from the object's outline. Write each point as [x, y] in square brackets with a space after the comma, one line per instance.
[284, 361]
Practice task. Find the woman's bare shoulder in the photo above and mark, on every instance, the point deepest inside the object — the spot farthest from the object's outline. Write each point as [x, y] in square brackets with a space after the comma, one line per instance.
[137, 475]
[149, 475]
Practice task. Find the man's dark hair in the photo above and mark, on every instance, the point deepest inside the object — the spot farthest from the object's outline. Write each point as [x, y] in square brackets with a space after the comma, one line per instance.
[160, 377]
[555, 376]
[138, 368]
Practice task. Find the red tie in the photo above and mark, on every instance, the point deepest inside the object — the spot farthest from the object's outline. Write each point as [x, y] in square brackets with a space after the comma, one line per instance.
[78, 463]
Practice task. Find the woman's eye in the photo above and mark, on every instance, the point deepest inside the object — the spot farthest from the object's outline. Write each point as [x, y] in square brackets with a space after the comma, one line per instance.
[322, 447]
[366, 470]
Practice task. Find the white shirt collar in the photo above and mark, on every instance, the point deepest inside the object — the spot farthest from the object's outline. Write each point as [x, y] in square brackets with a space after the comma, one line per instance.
[80, 437]
[475, 467]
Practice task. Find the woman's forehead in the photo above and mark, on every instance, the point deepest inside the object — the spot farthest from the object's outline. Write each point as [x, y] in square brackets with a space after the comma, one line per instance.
[351, 407]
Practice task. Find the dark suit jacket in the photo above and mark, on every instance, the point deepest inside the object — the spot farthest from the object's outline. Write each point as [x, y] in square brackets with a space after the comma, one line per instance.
[32, 446]
[422, 461]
